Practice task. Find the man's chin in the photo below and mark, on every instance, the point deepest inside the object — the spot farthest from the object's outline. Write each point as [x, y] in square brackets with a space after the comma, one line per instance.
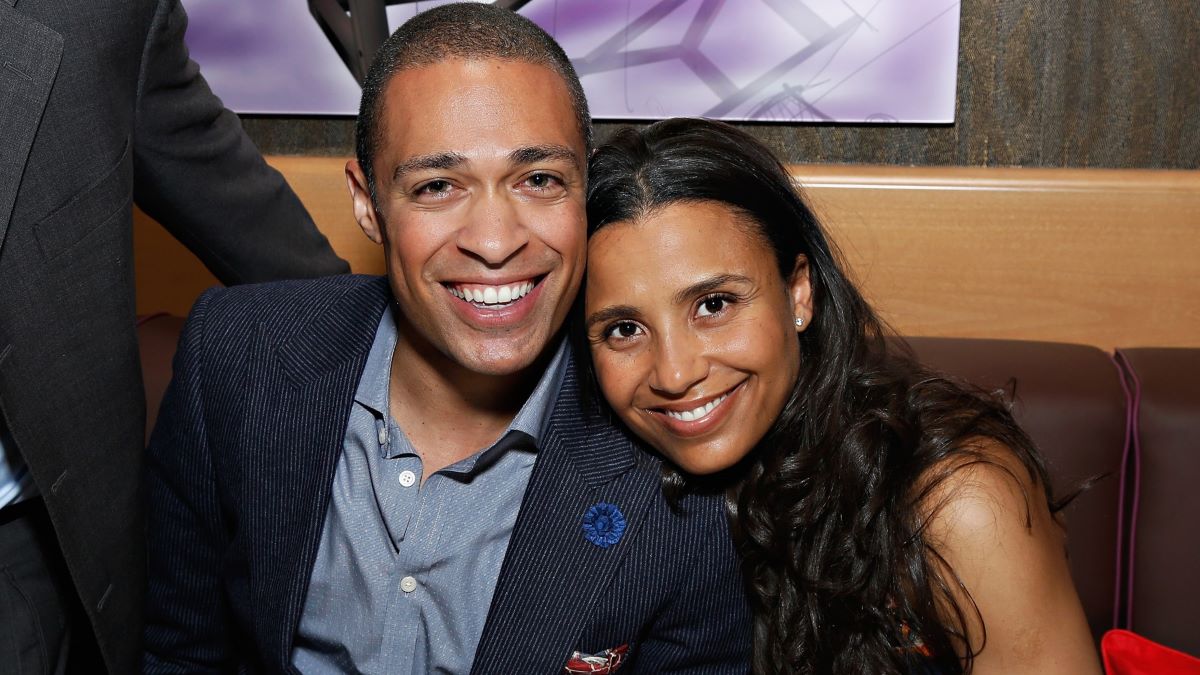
[501, 358]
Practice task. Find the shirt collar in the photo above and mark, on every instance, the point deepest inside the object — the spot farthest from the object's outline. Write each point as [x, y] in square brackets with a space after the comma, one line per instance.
[534, 416]
[526, 430]
[372, 390]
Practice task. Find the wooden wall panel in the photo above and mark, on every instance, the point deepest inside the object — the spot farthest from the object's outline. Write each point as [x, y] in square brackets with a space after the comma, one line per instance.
[1103, 257]
[1109, 258]
[169, 278]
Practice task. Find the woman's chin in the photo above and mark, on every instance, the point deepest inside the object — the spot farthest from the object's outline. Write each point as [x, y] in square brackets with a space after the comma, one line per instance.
[705, 460]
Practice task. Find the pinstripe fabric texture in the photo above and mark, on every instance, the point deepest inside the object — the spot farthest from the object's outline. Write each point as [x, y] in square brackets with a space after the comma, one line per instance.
[238, 483]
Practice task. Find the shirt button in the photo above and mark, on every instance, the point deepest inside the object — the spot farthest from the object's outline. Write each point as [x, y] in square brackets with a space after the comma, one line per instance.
[383, 435]
[407, 478]
[408, 584]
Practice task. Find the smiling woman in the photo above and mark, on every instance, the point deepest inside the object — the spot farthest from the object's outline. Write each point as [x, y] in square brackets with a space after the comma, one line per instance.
[890, 520]
[708, 335]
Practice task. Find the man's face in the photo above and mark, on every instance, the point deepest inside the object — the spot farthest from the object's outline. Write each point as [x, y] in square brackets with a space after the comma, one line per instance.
[480, 190]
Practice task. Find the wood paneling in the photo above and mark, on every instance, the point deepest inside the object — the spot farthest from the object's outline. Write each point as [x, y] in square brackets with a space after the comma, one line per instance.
[1102, 257]
[169, 278]
[1108, 258]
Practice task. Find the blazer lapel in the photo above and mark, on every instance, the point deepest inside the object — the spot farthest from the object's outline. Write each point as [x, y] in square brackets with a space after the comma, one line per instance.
[552, 573]
[297, 417]
[29, 57]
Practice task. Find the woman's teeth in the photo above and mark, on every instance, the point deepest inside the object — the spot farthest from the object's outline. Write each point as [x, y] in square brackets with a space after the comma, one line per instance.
[493, 295]
[696, 413]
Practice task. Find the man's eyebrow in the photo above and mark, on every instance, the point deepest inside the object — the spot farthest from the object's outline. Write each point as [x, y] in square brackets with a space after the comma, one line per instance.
[610, 313]
[709, 285]
[437, 160]
[532, 154]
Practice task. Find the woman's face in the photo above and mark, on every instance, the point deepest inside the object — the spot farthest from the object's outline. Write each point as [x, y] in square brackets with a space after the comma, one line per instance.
[693, 330]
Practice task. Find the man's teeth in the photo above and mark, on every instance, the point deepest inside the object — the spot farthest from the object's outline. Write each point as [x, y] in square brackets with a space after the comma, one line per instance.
[696, 413]
[493, 295]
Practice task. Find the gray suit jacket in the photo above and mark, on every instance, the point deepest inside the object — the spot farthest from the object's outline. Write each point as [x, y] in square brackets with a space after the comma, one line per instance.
[100, 108]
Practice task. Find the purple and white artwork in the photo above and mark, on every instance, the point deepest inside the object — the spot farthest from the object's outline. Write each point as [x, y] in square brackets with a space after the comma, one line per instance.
[770, 60]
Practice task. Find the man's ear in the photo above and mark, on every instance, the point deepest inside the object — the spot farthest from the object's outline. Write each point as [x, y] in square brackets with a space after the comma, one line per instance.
[364, 208]
[800, 290]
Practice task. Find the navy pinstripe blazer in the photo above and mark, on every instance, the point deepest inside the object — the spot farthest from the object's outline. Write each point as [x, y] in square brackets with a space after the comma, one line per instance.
[238, 482]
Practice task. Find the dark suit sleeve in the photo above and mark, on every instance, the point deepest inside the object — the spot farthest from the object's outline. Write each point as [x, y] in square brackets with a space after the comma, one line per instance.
[186, 615]
[197, 173]
[706, 629]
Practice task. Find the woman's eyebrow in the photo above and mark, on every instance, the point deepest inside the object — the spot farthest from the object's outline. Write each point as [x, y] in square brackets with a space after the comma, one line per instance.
[611, 313]
[709, 285]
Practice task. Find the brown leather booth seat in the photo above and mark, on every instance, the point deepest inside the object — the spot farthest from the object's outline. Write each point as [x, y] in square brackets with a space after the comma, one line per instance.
[1164, 539]
[1072, 400]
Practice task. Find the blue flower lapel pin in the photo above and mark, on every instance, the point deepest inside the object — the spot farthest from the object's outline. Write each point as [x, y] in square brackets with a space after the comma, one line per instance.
[603, 524]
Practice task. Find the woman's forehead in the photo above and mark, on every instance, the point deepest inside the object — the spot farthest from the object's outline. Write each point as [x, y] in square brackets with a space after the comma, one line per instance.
[674, 247]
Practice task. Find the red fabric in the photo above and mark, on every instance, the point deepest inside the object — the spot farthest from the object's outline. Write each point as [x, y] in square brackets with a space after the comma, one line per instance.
[1127, 653]
[605, 663]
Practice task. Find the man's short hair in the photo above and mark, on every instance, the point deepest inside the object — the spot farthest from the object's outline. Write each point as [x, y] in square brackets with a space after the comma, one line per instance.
[464, 30]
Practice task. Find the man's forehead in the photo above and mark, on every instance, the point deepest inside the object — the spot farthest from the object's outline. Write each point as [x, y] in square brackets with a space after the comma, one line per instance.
[428, 85]
[461, 109]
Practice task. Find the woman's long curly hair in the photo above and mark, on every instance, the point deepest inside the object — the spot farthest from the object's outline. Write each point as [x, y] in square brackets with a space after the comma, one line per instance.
[829, 509]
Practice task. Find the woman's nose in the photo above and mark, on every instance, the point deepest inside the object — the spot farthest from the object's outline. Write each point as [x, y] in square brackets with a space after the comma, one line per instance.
[680, 363]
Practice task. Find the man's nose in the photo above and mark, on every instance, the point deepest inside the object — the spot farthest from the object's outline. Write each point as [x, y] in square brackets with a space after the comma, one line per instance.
[680, 363]
[494, 231]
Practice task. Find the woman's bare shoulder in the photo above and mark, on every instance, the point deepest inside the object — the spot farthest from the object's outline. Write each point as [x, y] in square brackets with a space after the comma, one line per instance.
[983, 490]
[1003, 560]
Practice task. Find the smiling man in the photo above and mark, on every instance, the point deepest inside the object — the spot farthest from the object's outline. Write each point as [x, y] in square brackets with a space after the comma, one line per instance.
[403, 474]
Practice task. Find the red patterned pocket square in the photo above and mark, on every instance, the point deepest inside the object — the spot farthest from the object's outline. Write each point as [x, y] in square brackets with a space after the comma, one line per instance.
[606, 662]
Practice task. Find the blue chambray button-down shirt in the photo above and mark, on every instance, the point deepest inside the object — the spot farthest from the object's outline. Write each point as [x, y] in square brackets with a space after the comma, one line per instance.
[405, 572]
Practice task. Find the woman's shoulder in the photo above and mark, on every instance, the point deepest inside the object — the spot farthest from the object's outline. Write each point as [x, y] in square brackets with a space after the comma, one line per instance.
[988, 517]
[982, 487]
[1001, 556]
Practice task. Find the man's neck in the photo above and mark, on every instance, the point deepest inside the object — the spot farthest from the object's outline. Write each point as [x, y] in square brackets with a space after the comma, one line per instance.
[447, 412]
